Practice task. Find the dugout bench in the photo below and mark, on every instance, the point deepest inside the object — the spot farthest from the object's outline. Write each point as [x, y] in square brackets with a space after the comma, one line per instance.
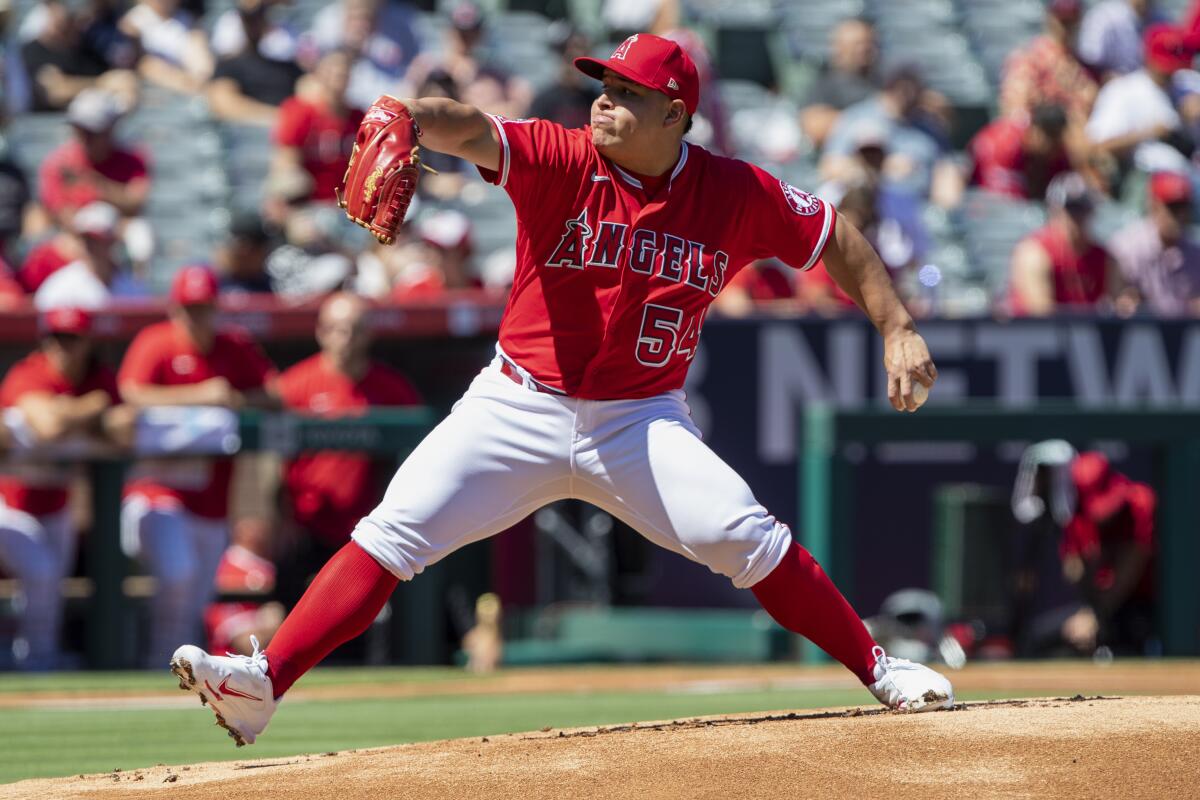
[827, 511]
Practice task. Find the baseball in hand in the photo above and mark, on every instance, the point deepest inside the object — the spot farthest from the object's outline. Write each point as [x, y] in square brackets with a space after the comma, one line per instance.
[920, 393]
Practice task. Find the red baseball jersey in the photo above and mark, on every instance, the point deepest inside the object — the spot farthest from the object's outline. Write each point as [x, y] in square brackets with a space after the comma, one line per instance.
[332, 490]
[324, 139]
[37, 374]
[63, 176]
[612, 283]
[164, 355]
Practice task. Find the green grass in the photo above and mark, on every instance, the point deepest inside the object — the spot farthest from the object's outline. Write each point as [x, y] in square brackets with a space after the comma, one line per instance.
[65, 742]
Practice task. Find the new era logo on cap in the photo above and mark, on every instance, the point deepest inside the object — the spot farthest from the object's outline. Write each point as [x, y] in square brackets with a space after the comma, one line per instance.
[671, 84]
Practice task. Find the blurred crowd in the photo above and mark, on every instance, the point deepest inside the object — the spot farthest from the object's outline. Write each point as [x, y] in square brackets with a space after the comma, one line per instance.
[1100, 111]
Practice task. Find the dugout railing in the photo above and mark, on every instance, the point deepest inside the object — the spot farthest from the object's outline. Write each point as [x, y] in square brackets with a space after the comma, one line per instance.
[826, 477]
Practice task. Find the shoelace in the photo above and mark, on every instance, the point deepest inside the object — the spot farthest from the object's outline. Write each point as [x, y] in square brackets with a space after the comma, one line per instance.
[257, 658]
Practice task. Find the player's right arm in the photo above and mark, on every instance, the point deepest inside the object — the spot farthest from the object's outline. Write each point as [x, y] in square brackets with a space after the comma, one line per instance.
[456, 129]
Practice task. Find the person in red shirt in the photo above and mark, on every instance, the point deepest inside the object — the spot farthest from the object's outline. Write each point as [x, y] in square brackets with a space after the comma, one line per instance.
[1019, 158]
[1059, 266]
[174, 511]
[58, 392]
[316, 127]
[328, 492]
[93, 166]
[1107, 553]
[625, 235]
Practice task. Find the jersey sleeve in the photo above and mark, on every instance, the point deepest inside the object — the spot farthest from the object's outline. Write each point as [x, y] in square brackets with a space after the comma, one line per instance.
[20, 380]
[290, 386]
[143, 362]
[785, 222]
[536, 156]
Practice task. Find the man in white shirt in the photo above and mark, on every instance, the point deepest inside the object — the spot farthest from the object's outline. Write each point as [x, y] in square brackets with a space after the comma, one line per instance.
[95, 277]
[1135, 110]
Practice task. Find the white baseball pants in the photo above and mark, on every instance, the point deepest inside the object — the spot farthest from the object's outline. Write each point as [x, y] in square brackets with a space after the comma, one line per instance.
[39, 552]
[182, 551]
[506, 450]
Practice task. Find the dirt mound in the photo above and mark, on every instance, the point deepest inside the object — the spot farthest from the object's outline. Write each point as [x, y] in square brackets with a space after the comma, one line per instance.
[1065, 748]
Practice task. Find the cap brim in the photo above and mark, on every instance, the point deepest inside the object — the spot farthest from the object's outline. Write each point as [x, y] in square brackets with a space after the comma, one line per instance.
[594, 68]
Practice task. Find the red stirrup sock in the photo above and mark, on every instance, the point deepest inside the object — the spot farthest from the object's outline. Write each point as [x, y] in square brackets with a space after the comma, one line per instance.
[340, 604]
[801, 598]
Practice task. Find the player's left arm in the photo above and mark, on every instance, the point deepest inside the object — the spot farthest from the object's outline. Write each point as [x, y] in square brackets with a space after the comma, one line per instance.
[857, 269]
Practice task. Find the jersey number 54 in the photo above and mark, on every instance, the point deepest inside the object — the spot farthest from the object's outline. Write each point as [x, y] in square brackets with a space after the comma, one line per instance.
[664, 335]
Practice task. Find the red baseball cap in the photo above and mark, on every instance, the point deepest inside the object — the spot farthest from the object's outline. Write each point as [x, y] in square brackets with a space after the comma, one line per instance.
[67, 319]
[1168, 48]
[1170, 187]
[654, 62]
[194, 285]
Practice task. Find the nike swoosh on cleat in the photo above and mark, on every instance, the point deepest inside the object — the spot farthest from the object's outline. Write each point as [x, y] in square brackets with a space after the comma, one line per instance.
[224, 687]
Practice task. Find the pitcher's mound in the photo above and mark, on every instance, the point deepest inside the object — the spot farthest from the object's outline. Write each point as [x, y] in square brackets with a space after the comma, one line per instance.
[1066, 748]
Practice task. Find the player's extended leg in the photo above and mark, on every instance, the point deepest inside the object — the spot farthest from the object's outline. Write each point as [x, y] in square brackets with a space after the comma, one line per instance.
[649, 467]
[501, 454]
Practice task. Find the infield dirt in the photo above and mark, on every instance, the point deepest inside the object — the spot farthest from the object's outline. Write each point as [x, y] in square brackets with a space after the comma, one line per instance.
[1044, 748]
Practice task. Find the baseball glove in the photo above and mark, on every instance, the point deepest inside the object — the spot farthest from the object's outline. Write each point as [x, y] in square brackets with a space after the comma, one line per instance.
[381, 177]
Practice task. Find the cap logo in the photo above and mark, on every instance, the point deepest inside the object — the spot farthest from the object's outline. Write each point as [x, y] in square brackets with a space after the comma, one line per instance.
[623, 50]
[801, 202]
[671, 84]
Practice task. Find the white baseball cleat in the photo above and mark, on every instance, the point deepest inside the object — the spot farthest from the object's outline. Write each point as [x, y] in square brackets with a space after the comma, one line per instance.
[237, 688]
[906, 686]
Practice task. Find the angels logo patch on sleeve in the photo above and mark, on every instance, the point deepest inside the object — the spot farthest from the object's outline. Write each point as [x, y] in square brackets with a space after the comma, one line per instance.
[801, 201]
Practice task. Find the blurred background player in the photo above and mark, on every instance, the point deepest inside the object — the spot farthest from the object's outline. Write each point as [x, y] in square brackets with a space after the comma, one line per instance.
[1103, 526]
[174, 517]
[327, 492]
[58, 392]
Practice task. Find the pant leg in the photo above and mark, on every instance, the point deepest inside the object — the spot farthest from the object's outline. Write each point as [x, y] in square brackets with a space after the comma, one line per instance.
[644, 462]
[168, 551]
[29, 554]
[502, 453]
[210, 538]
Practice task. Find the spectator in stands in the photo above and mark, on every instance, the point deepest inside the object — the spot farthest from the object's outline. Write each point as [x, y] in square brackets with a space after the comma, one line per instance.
[95, 276]
[917, 149]
[1019, 158]
[569, 100]
[174, 48]
[1110, 37]
[1135, 112]
[316, 255]
[1158, 255]
[442, 262]
[15, 201]
[241, 262]
[1047, 71]
[625, 17]
[326, 492]
[275, 41]
[93, 166]
[1059, 266]
[379, 33]
[248, 86]
[175, 511]
[478, 83]
[849, 77]
[450, 173]
[47, 257]
[59, 392]
[100, 22]
[59, 64]
[316, 127]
